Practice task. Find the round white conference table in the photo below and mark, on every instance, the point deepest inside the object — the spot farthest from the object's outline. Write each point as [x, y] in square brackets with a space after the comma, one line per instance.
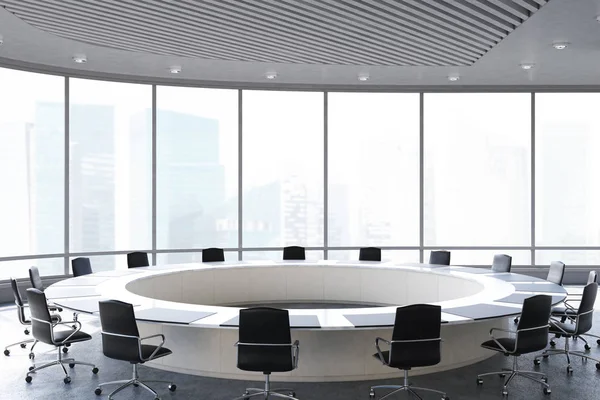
[196, 307]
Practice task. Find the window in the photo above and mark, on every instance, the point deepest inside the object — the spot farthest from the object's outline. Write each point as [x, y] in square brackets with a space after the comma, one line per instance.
[572, 258]
[477, 169]
[110, 166]
[567, 170]
[195, 257]
[373, 165]
[197, 168]
[32, 158]
[282, 169]
[485, 257]
[20, 268]
[107, 263]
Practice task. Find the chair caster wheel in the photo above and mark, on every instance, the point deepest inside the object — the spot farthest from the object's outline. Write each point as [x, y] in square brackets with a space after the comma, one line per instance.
[7, 353]
[598, 341]
[172, 387]
[28, 379]
[71, 365]
[536, 362]
[569, 370]
[552, 343]
[65, 350]
[23, 345]
[597, 365]
[95, 370]
[293, 394]
[371, 395]
[32, 368]
[98, 391]
[505, 393]
[67, 380]
[545, 380]
[502, 375]
[157, 398]
[479, 381]
[26, 331]
[136, 385]
[545, 356]
[587, 347]
[547, 391]
[516, 320]
[445, 398]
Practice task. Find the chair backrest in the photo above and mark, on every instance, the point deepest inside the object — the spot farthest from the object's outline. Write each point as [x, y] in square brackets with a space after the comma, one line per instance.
[556, 273]
[41, 322]
[119, 331]
[137, 259]
[81, 266]
[18, 301]
[439, 257]
[501, 263]
[592, 277]
[213, 254]
[533, 328]
[418, 322]
[35, 279]
[264, 325]
[585, 312]
[369, 254]
[294, 253]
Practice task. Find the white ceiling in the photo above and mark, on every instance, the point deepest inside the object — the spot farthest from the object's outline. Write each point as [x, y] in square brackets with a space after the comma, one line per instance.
[399, 43]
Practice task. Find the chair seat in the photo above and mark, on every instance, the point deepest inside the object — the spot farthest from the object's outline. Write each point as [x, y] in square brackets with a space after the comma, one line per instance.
[559, 311]
[148, 349]
[386, 357]
[508, 343]
[61, 335]
[559, 327]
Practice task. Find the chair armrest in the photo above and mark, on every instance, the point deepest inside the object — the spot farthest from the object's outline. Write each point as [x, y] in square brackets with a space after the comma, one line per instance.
[569, 306]
[162, 343]
[70, 323]
[379, 353]
[495, 339]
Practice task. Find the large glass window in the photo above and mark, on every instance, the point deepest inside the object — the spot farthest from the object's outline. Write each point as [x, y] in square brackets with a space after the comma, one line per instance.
[477, 169]
[373, 165]
[197, 169]
[282, 169]
[110, 166]
[32, 161]
[567, 170]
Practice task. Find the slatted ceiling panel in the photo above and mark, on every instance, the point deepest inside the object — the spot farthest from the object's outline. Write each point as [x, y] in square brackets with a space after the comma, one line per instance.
[346, 32]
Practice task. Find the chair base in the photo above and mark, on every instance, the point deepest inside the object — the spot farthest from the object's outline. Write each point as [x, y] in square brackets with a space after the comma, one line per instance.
[406, 387]
[568, 353]
[538, 377]
[134, 381]
[267, 392]
[60, 361]
[23, 345]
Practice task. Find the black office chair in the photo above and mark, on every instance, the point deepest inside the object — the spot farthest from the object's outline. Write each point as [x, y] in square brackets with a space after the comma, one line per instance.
[369, 254]
[56, 334]
[416, 342]
[24, 321]
[556, 274]
[501, 263]
[294, 253]
[531, 336]
[583, 323]
[137, 259]
[213, 254]
[121, 341]
[439, 257]
[266, 350]
[36, 283]
[81, 266]
[566, 310]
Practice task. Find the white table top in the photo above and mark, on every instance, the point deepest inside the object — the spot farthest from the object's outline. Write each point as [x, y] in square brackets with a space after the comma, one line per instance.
[502, 296]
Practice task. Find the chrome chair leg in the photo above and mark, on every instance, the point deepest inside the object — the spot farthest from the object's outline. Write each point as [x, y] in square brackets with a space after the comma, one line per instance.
[535, 376]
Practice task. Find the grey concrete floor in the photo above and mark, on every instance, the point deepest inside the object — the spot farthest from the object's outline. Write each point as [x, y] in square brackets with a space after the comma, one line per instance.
[460, 383]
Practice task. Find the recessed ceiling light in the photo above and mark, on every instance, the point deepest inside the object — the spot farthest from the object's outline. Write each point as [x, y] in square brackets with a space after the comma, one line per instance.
[175, 69]
[453, 78]
[527, 66]
[560, 45]
[271, 75]
[364, 76]
[80, 58]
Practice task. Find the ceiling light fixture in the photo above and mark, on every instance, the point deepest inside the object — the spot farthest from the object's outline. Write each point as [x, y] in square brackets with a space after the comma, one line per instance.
[364, 76]
[453, 78]
[271, 75]
[527, 66]
[80, 58]
[175, 69]
[560, 45]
